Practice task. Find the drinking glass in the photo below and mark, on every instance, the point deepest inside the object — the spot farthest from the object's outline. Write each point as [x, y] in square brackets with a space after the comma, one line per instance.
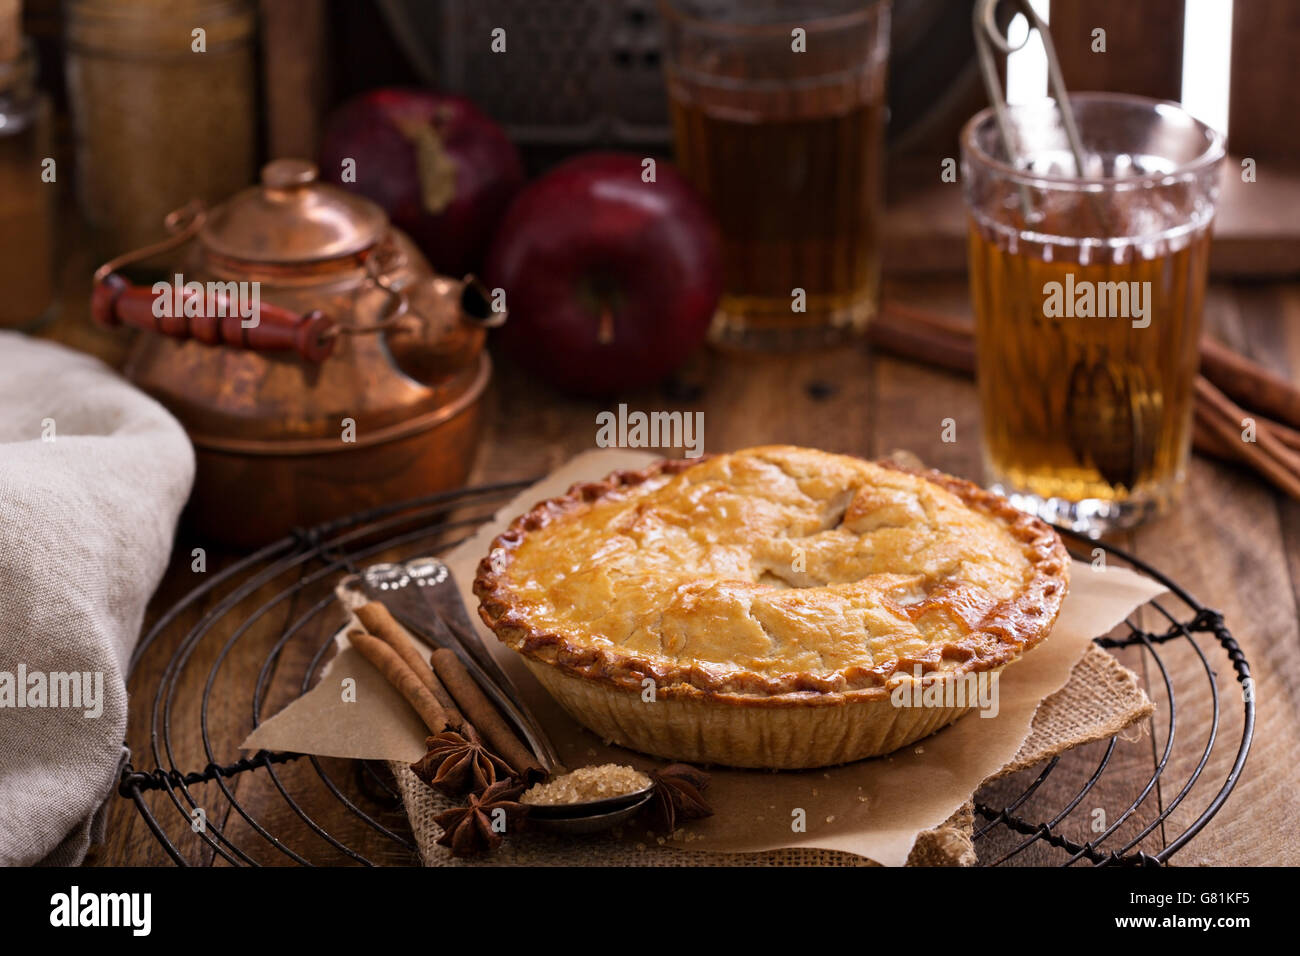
[778, 112]
[1087, 288]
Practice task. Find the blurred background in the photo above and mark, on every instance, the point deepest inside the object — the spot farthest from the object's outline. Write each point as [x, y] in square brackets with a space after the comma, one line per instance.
[584, 75]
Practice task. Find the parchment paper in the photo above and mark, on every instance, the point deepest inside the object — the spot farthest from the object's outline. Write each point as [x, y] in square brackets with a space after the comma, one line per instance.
[874, 808]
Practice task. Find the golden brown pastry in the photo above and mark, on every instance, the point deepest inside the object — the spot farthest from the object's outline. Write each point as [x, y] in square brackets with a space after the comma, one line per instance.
[761, 608]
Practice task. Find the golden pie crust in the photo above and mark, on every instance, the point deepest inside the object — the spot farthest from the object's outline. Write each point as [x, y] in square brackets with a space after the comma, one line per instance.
[760, 608]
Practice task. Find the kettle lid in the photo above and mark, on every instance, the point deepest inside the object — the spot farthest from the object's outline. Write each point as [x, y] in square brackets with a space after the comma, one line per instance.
[292, 218]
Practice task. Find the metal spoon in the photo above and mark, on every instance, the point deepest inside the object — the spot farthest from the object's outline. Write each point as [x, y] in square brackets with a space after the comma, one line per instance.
[590, 816]
[1112, 417]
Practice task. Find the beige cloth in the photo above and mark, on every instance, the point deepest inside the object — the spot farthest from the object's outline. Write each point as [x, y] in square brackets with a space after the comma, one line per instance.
[1101, 698]
[93, 474]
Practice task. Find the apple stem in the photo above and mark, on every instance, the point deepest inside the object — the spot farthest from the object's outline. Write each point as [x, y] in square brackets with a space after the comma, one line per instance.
[605, 331]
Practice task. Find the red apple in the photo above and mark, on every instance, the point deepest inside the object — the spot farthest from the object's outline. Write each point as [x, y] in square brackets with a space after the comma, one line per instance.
[610, 280]
[441, 168]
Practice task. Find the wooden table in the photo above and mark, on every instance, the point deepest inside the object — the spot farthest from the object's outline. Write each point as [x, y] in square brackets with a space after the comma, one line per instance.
[1234, 544]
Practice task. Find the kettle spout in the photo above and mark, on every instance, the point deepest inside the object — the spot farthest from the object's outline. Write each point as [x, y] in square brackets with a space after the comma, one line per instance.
[478, 304]
[443, 331]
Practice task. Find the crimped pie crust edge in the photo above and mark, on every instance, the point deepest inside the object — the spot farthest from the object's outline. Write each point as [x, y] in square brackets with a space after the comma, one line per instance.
[1025, 620]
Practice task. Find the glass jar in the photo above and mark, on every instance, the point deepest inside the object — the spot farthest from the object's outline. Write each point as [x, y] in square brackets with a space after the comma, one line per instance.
[26, 199]
[162, 98]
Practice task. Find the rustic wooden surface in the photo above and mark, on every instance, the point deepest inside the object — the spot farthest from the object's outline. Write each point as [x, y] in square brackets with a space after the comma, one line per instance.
[293, 34]
[1144, 46]
[1265, 84]
[1234, 544]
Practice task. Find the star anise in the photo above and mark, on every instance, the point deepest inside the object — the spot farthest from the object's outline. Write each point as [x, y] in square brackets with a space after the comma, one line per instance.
[677, 797]
[455, 764]
[478, 826]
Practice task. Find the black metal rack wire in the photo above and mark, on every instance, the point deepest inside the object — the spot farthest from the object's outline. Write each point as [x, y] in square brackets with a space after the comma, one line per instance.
[295, 576]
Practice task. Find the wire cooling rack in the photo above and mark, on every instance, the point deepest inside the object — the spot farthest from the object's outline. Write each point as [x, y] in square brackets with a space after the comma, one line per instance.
[257, 633]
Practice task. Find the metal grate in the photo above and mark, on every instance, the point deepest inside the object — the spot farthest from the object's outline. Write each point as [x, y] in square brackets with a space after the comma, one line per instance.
[589, 70]
[294, 578]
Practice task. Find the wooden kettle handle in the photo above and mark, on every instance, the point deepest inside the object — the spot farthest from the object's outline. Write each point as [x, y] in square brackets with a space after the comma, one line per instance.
[116, 301]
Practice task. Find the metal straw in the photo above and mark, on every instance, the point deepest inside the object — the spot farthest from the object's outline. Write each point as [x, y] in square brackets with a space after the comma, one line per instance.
[988, 35]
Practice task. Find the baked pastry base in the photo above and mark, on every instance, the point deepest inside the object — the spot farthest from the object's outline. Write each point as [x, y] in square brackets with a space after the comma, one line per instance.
[703, 731]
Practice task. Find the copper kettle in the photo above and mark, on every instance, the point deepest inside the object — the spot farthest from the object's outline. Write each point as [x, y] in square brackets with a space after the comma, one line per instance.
[318, 363]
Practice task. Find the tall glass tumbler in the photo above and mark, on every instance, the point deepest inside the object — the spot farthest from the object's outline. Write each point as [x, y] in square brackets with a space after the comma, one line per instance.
[1087, 288]
[778, 111]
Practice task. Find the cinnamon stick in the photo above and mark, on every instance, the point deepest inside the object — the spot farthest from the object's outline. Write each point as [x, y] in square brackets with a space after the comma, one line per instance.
[1287, 436]
[402, 678]
[379, 621]
[1266, 454]
[1250, 383]
[925, 337]
[483, 714]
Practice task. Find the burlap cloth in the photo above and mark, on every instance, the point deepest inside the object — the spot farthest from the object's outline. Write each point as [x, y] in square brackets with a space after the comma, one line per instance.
[1101, 698]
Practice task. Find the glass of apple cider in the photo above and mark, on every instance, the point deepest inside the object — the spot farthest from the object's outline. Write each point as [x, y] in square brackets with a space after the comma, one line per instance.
[778, 110]
[1087, 287]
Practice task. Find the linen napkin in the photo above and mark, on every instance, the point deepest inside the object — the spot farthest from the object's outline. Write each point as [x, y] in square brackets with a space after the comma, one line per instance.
[93, 475]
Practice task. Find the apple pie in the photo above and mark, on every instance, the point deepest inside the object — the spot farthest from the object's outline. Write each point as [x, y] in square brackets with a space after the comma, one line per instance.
[765, 608]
